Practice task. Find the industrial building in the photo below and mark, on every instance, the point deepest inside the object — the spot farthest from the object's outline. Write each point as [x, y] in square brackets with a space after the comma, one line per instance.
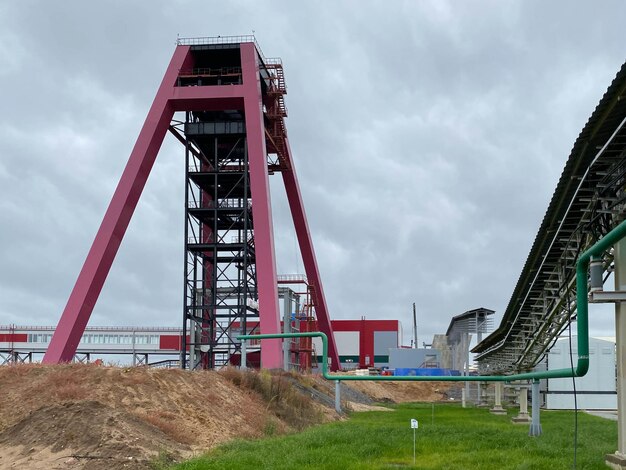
[596, 390]
[365, 343]
[231, 100]
[361, 343]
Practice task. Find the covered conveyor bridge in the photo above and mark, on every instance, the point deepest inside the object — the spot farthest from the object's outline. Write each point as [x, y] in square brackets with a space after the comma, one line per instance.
[588, 202]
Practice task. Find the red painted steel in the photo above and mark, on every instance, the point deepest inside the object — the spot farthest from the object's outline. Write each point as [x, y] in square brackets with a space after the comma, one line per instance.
[208, 323]
[169, 99]
[271, 350]
[104, 248]
[294, 196]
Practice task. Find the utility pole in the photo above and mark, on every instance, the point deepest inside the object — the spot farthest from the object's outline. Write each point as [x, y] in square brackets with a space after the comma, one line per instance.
[414, 327]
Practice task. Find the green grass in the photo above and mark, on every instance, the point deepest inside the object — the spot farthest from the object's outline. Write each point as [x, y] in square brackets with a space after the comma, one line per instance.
[458, 439]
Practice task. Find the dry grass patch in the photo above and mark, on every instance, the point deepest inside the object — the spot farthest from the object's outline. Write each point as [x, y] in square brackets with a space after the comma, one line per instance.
[282, 398]
[166, 422]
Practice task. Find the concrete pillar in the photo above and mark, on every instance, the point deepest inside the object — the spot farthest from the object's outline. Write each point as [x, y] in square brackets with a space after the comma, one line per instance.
[338, 396]
[453, 360]
[618, 460]
[522, 417]
[535, 425]
[483, 399]
[497, 407]
[466, 355]
[243, 364]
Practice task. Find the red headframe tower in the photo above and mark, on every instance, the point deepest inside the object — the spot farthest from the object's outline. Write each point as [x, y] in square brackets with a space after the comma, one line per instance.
[234, 135]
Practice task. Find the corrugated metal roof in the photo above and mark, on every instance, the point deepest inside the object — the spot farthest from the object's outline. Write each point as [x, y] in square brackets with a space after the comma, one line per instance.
[565, 211]
[469, 314]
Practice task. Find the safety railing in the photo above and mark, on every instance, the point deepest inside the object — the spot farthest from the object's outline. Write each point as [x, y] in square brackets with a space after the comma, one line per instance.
[225, 203]
[211, 72]
[296, 278]
[202, 41]
[114, 329]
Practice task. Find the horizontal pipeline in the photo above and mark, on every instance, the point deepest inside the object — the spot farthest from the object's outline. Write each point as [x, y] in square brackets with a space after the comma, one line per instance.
[582, 303]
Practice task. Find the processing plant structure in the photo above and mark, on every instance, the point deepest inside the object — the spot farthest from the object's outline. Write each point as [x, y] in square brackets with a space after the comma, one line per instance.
[230, 101]
[231, 121]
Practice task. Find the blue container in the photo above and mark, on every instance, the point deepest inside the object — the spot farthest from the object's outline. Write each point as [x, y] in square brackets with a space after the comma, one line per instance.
[425, 372]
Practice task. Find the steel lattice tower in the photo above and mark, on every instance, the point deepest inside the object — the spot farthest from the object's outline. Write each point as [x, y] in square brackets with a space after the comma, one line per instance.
[234, 135]
[220, 277]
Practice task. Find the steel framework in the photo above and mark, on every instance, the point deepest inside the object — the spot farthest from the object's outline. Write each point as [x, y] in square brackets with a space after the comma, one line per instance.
[589, 201]
[235, 137]
[220, 276]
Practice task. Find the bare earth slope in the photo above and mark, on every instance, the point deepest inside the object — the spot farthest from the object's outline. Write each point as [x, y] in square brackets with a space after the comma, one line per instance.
[82, 416]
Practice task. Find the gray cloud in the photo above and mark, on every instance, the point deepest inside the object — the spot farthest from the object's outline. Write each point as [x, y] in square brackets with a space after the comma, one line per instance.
[428, 139]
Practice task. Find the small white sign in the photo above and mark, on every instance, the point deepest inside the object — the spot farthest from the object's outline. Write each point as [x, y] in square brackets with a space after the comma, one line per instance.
[413, 424]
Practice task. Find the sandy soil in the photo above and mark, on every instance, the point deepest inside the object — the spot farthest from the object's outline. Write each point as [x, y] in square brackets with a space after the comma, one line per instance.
[97, 417]
[354, 406]
[401, 392]
[69, 435]
[93, 417]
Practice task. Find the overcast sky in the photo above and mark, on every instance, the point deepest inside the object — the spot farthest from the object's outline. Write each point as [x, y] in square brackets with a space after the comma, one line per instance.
[428, 139]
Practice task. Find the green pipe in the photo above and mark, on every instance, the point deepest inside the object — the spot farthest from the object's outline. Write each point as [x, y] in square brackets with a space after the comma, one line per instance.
[582, 366]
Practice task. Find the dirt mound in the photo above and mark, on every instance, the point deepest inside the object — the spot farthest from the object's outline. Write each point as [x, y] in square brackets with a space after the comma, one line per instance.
[86, 416]
[53, 408]
[191, 407]
[87, 432]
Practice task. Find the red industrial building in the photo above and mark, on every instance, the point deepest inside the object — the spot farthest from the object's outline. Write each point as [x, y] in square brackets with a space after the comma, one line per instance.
[361, 343]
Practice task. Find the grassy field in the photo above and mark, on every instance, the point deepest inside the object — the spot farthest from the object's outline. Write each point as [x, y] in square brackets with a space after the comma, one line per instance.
[457, 439]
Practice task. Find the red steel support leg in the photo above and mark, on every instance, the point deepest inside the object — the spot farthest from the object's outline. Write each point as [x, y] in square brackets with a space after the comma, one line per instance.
[308, 257]
[104, 248]
[271, 350]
